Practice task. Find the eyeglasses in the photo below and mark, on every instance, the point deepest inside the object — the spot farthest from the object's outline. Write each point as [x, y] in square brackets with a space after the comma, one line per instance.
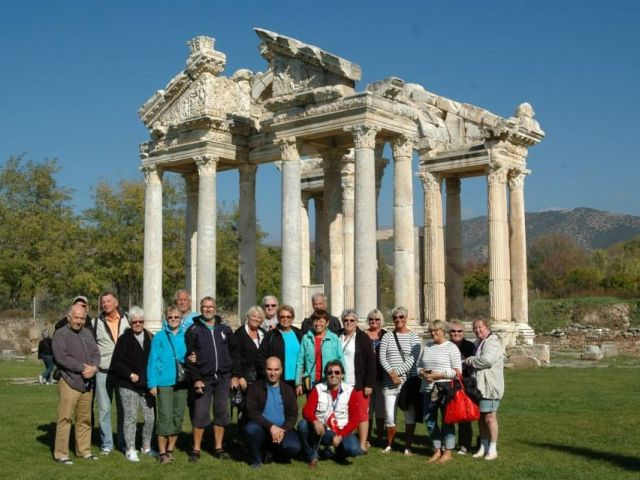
[285, 316]
[456, 331]
[268, 305]
[333, 373]
[348, 320]
[208, 307]
[396, 317]
[173, 317]
[134, 322]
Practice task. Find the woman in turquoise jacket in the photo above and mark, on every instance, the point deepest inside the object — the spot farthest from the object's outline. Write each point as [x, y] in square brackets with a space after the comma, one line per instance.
[167, 347]
[318, 347]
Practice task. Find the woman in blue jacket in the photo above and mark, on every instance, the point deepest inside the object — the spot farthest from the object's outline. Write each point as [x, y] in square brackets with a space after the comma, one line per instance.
[167, 348]
[318, 347]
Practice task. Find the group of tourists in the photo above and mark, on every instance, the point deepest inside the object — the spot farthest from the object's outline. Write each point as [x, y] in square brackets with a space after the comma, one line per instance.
[351, 380]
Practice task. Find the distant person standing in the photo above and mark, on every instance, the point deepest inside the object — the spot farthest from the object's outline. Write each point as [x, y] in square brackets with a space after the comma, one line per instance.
[319, 303]
[45, 353]
[270, 307]
[82, 300]
[108, 327]
[77, 356]
[182, 300]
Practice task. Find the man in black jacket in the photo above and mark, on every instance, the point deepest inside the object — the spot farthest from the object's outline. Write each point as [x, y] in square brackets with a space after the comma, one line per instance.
[272, 410]
[216, 362]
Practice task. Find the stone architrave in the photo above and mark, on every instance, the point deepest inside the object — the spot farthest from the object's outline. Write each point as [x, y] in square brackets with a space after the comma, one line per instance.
[499, 264]
[434, 286]
[247, 250]
[207, 213]
[364, 137]
[152, 280]
[454, 276]
[334, 274]
[191, 237]
[403, 253]
[305, 247]
[348, 245]
[291, 228]
[518, 253]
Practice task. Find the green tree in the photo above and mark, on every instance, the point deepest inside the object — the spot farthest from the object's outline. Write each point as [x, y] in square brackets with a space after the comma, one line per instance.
[39, 234]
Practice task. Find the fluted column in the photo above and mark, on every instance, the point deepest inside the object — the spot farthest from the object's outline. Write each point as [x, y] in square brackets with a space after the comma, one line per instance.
[381, 164]
[518, 252]
[364, 137]
[247, 250]
[207, 212]
[191, 237]
[305, 246]
[499, 264]
[348, 205]
[291, 229]
[320, 239]
[434, 289]
[334, 277]
[152, 274]
[454, 268]
[403, 254]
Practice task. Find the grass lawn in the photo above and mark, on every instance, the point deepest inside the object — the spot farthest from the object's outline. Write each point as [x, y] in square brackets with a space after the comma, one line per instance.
[556, 423]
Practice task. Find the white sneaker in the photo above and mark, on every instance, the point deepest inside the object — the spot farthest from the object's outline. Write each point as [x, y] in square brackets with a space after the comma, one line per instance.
[387, 450]
[132, 456]
[491, 456]
[462, 451]
[408, 452]
[479, 453]
[105, 451]
[41, 379]
[149, 452]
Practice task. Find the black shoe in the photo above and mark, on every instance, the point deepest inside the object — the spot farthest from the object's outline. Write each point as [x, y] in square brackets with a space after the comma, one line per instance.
[268, 457]
[194, 456]
[220, 454]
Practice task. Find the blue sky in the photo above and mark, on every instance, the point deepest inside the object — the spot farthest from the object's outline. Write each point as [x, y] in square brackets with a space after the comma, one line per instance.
[74, 74]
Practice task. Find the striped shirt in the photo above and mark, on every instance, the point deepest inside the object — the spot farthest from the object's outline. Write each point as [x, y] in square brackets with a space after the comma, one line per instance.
[392, 359]
[443, 357]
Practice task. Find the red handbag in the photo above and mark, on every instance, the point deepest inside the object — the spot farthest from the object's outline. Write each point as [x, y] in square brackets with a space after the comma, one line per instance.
[460, 408]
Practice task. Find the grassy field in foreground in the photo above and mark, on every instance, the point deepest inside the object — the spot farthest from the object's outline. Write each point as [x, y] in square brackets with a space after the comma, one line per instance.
[556, 423]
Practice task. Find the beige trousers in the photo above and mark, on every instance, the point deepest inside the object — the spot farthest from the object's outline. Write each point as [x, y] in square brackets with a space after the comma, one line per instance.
[72, 401]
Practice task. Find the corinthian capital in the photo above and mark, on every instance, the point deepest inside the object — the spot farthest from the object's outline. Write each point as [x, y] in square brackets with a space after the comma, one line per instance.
[152, 174]
[364, 136]
[516, 178]
[496, 175]
[206, 165]
[289, 149]
[402, 147]
[430, 181]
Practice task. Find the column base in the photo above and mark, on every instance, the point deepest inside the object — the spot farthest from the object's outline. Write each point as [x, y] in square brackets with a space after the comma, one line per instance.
[525, 334]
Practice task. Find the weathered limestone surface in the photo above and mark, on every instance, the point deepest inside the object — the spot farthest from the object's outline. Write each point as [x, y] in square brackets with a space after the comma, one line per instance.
[300, 109]
[152, 282]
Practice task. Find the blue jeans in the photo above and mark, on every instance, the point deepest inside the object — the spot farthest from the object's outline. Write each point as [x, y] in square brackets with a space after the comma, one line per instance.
[349, 446]
[48, 367]
[256, 437]
[444, 433]
[105, 391]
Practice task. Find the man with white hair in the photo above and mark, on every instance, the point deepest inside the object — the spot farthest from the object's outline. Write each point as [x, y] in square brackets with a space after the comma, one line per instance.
[182, 300]
[319, 303]
[270, 307]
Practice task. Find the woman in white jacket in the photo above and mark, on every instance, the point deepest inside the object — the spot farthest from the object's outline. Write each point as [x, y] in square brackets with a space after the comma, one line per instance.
[487, 364]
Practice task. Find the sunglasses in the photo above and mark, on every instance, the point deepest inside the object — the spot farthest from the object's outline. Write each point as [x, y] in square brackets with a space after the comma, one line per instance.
[348, 320]
[456, 331]
[270, 305]
[285, 316]
[396, 317]
[373, 319]
[173, 317]
[137, 322]
[333, 372]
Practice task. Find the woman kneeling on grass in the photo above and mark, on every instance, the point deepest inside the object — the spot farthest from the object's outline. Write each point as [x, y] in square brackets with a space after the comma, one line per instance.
[167, 348]
[487, 364]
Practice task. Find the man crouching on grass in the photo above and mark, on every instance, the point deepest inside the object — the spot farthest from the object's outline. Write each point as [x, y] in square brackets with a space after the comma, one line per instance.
[77, 356]
[330, 416]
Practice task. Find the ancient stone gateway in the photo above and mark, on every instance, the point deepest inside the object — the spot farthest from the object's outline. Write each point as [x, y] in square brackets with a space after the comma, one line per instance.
[305, 113]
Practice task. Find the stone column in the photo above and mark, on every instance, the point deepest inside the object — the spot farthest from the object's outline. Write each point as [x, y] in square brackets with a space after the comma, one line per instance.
[247, 249]
[291, 229]
[454, 270]
[403, 271]
[518, 255]
[152, 274]
[434, 289]
[207, 212]
[348, 205]
[305, 247]
[320, 239]
[364, 137]
[499, 264]
[191, 237]
[334, 253]
[381, 164]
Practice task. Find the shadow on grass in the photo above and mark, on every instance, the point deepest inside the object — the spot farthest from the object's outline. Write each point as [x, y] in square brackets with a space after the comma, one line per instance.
[47, 435]
[626, 462]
